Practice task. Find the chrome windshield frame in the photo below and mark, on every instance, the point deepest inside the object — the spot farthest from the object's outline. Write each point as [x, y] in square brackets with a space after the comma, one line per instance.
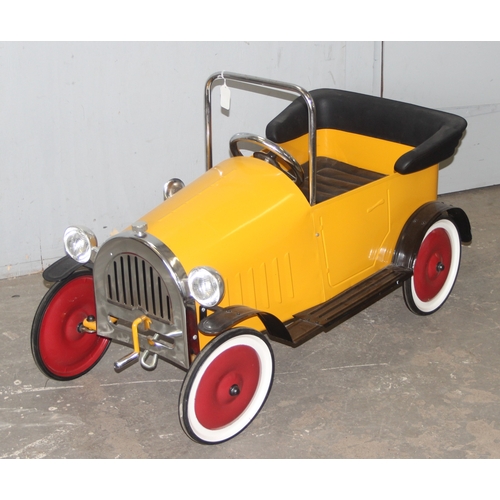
[270, 84]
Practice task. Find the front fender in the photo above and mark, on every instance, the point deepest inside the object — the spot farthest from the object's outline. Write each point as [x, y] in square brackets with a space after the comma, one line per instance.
[225, 318]
[63, 268]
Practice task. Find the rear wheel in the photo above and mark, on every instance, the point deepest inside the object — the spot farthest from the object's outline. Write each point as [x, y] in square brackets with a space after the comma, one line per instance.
[226, 386]
[60, 349]
[435, 269]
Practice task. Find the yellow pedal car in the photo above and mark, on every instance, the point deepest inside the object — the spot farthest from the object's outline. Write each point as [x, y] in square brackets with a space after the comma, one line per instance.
[335, 208]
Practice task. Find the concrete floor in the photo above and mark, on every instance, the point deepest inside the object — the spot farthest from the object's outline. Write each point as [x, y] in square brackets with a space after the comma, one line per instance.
[385, 384]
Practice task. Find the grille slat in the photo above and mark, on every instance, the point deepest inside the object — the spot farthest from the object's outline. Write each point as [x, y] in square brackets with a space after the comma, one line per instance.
[137, 268]
[145, 284]
[132, 281]
[160, 296]
[125, 281]
[135, 284]
[152, 288]
[116, 281]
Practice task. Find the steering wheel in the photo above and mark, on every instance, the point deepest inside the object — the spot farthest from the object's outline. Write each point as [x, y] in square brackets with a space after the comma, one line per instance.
[295, 173]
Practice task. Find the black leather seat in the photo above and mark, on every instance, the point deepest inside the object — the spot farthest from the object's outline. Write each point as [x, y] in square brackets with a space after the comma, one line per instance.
[433, 134]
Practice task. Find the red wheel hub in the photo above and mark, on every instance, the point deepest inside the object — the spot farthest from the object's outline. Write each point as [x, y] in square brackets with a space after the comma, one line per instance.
[432, 265]
[64, 350]
[227, 387]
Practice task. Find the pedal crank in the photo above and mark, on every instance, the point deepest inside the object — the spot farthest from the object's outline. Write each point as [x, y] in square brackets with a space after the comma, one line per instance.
[133, 357]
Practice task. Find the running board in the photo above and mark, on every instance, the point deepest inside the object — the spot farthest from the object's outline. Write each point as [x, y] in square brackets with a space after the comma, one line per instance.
[331, 313]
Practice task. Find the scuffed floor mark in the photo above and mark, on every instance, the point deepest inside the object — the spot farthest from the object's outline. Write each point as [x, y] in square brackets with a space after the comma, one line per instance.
[32, 417]
[49, 422]
[118, 437]
[369, 365]
[135, 382]
[437, 355]
[40, 448]
[487, 440]
[11, 335]
[12, 391]
[477, 396]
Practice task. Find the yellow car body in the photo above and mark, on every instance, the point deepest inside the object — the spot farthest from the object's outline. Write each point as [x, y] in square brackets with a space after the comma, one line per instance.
[276, 252]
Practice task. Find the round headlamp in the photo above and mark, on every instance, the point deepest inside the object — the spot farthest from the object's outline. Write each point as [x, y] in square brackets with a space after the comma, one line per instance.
[78, 243]
[206, 286]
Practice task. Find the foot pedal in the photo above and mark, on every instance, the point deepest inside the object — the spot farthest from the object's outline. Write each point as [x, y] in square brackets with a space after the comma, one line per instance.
[126, 361]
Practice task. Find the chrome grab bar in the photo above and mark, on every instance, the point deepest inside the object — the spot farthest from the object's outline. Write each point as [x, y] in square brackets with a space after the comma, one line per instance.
[271, 84]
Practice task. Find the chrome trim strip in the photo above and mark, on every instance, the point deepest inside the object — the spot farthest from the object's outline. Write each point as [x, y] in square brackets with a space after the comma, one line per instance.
[272, 84]
[140, 275]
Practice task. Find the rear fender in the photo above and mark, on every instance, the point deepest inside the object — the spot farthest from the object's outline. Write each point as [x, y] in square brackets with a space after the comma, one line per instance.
[417, 225]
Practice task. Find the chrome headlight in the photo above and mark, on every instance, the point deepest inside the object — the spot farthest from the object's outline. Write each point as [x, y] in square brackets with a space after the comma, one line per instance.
[206, 286]
[79, 242]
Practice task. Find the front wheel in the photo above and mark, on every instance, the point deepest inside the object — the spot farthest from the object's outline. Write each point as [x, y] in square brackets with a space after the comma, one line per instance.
[435, 269]
[59, 348]
[226, 386]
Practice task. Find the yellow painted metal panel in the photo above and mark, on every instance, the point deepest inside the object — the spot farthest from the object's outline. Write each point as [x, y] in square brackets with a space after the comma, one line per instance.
[275, 252]
[246, 219]
[361, 151]
[353, 228]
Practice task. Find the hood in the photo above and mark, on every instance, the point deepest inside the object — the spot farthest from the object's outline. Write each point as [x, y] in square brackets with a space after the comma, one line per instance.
[238, 210]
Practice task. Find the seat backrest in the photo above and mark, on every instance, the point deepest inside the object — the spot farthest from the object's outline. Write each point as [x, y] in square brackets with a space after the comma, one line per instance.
[433, 134]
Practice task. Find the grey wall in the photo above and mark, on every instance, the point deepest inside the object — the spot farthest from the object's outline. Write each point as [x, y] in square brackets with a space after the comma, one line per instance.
[462, 78]
[91, 131]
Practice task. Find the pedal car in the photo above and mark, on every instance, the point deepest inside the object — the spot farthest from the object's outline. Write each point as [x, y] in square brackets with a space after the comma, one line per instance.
[336, 208]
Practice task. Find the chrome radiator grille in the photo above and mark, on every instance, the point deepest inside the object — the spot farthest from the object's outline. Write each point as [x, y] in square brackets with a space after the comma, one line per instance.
[136, 276]
[133, 283]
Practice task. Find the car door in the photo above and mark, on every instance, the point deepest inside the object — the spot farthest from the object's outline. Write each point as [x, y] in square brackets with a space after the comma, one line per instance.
[351, 230]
